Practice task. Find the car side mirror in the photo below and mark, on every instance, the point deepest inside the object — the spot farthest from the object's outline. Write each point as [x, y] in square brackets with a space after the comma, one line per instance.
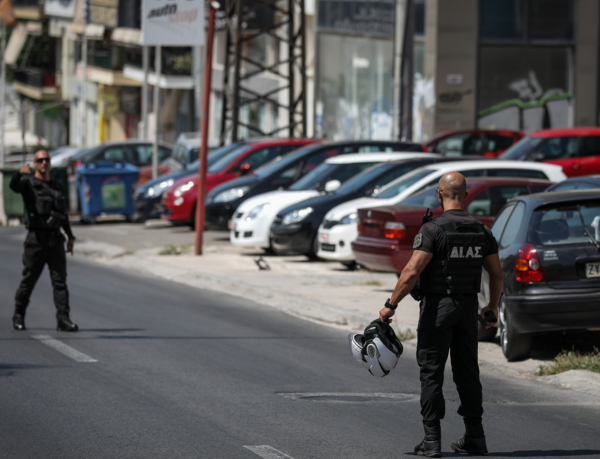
[245, 168]
[332, 185]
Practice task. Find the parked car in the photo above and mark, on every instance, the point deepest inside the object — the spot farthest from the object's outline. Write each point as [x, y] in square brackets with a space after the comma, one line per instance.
[488, 143]
[577, 183]
[386, 234]
[136, 152]
[294, 229]
[251, 225]
[147, 197]
[576, 150]
[60, 156]
[337, 226]
[549, 246]
[179, 201]
[222, 201]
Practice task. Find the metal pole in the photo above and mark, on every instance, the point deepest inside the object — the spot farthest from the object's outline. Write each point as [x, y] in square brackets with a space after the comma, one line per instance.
[200, 205]
[2, 96]
[145, 65]
[157, 71]
[398, 48]
[84, 48]
[407, 73]
[23, 130]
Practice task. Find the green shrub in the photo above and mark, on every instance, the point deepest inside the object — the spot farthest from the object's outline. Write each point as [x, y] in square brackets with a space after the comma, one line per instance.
[572, 360]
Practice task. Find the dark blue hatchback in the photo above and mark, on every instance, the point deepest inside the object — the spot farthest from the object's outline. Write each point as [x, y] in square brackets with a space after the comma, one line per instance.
[549, 247]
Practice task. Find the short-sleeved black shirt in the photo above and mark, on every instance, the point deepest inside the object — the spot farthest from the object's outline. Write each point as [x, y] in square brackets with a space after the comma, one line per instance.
[430, 238]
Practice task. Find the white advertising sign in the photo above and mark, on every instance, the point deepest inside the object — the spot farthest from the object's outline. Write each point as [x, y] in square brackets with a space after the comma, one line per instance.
[173, 22]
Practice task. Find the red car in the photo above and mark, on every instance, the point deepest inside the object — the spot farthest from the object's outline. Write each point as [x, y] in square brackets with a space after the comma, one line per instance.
[486, 143]
[179, 200]
[386, 234]
[577, 150]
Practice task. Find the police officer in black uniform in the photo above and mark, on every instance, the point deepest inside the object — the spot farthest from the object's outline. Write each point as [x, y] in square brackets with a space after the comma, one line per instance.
[45, 215]
[444, 273]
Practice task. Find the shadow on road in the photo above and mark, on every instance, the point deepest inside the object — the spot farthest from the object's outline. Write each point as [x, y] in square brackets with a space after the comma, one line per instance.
[7, 369]
[548, 453]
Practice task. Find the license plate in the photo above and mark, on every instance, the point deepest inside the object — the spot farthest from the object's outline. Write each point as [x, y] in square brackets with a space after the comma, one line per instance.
[323, 238]
[592, 270]
[231, 225]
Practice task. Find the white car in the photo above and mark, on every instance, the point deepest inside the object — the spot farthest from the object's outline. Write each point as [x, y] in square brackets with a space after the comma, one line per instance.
[250, 225]
[338, 229]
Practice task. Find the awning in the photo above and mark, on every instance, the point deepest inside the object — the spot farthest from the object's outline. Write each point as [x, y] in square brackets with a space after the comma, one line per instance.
[15, 43]
[94, 31]
[127, 36]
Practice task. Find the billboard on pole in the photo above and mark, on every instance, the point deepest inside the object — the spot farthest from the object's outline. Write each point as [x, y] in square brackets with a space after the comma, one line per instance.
[173, 22]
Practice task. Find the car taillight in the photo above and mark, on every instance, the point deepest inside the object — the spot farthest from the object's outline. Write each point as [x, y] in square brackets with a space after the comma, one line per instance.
[527, 265]
[76, 165]
[394, 230]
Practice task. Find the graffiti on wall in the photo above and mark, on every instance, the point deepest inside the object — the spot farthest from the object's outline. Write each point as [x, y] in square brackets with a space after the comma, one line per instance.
[533, 109]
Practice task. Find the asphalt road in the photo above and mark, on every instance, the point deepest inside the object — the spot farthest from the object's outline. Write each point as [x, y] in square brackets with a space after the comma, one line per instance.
[186, 373]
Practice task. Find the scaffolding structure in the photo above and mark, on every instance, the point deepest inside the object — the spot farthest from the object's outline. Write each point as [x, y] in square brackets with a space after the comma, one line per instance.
[276, 84]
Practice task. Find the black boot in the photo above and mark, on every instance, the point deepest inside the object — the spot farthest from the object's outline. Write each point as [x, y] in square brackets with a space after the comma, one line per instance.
[473, 441]
[19, 322]
[66, 325]
[431, 446]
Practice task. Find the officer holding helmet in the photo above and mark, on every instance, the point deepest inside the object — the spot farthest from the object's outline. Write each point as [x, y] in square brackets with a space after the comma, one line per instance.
[444, 273]
[45, 215]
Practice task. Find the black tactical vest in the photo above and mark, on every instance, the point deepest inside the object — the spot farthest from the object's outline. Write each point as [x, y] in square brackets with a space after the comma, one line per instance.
[49, 211]
[458, 271]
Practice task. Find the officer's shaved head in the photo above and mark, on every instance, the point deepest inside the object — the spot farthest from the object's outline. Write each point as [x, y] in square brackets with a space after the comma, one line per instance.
[41, 154]
[454, 186]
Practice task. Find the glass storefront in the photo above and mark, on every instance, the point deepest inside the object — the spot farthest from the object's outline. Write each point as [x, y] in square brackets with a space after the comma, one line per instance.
[354, 98]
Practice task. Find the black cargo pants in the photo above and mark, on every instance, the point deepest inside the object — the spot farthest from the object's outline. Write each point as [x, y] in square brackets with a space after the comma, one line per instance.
[44, 249]
[449, 324]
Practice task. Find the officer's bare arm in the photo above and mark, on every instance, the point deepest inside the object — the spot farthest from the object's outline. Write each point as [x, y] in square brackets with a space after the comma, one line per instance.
[492, 265]
[407, 281]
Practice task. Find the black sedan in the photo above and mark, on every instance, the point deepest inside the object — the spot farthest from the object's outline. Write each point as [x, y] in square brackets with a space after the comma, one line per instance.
[147, 197]
[577, 183]
[294, 230]
[550, 254]
[282, 172]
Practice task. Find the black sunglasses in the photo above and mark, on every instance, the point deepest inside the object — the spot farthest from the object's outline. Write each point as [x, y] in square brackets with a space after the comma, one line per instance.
[41, 160]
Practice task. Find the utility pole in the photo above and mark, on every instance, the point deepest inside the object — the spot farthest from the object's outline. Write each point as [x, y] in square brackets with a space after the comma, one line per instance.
[84, 52]
[399, 23]
[204, 120]
[158, 71]
[145, 65]
[2, 95]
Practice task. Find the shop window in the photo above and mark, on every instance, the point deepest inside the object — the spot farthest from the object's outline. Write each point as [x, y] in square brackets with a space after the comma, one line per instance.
[550, 20]
[501, 19]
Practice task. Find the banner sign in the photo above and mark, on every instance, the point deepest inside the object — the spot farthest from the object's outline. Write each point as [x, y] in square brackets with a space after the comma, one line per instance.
[357, 17]
[173, 22]
[104, 12]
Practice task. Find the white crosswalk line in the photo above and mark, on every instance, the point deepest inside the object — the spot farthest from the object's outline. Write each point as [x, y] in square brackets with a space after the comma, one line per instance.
[267, 452]
[63, 348]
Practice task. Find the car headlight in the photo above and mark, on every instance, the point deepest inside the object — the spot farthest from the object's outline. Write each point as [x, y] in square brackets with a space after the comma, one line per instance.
[256, 211]
[183, 188]
[231, 195]
[350, 219]
[158, 189]
[297, 216]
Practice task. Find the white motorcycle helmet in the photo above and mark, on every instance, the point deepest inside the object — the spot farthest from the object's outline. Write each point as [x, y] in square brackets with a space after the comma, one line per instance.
[378, 349]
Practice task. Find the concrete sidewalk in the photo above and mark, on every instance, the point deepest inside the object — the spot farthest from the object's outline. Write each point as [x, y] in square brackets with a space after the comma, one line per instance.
[323, 292]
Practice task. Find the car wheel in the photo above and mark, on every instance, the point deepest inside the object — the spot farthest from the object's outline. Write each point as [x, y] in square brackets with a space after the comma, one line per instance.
[192, 224]
[515, 345]
[269, 250]
[314, 249]
[351, 265]
[485, 334]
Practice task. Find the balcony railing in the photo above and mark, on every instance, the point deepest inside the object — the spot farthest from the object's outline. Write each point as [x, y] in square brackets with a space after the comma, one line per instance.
[36, 78]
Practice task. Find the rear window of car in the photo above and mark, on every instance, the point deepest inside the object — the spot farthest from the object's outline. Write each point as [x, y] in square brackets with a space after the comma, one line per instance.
[561, 225]
[497, 142]
[395, 188]
[525, 173]
[221, 164]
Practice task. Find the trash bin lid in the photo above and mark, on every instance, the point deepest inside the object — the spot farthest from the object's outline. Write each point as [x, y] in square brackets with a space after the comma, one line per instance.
[107, 167]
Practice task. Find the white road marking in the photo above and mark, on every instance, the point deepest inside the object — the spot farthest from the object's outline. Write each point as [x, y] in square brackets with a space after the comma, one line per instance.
[267, 452]
[63, 348]
[350, 396]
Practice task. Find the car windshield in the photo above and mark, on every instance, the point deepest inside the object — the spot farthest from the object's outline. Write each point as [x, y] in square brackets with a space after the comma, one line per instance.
[398, 186]
[227, 159]
[213, 156]
[560, 225]
[283, 161]
[315, 178]
[520, 151]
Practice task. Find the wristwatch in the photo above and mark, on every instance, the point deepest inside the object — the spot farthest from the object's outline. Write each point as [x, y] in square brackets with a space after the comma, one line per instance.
[390, 305]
